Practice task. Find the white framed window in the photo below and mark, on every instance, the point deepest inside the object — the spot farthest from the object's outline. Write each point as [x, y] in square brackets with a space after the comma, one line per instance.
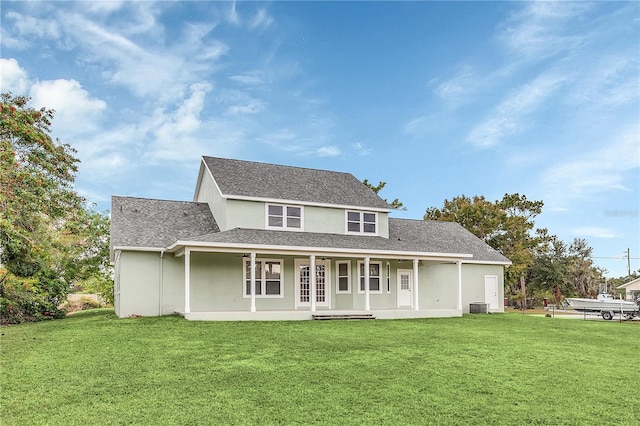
[361, 222]
[375, 277]
[343, 277]
[388, 278]
[269, 278]
[282, 216]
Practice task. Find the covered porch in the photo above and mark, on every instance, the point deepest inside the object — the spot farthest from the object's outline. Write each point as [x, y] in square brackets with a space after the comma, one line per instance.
[297, 315]
[276, 283]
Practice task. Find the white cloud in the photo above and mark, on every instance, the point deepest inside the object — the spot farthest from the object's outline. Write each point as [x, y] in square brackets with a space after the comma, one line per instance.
[12, 77]
[232, 15]
[253, 106]
[28, 26]
[610, 81]
[597, 171]
[261, 20]
[328, 151]
[176, 135]
[541, 29]
[594, 232]
[249, 79]
[361, 149]
[461, 85]
[76, 111]
[509, 117]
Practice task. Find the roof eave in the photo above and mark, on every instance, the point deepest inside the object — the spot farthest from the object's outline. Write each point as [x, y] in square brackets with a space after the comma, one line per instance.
[304, 203]
[179, 246]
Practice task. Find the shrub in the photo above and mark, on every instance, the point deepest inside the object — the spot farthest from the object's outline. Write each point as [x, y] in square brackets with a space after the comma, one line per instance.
[30, 299]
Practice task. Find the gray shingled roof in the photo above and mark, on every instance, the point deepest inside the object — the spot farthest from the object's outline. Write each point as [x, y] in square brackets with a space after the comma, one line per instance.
[143, 222]
[404, 236]
[271, 181]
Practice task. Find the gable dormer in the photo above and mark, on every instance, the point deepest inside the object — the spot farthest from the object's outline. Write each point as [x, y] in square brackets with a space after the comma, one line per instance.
[245, 194]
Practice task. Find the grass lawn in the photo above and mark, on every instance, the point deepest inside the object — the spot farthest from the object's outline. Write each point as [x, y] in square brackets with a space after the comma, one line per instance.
[92, 368]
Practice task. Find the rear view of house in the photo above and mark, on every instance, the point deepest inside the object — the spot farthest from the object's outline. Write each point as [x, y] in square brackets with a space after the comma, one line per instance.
[264, 241]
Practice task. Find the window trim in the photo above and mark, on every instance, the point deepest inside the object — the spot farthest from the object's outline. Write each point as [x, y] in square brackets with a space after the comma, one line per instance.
[380, 277]
[388, 278]
[262, 279]
[284, 226]
[348, 276]
[361, 222]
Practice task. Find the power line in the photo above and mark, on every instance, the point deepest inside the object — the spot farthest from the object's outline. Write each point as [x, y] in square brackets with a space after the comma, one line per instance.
[615, 257]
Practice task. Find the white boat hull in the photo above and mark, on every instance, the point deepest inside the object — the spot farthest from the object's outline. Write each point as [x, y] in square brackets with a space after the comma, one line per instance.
[594, 305]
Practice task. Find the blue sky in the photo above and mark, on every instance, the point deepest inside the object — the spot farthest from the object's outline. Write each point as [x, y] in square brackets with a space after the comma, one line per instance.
[437, 99]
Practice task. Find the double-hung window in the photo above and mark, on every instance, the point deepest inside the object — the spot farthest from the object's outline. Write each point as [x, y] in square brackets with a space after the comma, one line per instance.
[343, 275]
[362, 222]
[375, 277]
[269, 278]
[280, 216]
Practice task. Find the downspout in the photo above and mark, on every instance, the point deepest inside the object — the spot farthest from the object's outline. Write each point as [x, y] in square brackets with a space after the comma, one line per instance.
[161, 283]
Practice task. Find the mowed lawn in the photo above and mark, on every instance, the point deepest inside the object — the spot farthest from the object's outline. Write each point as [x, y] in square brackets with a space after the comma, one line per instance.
[93, 368]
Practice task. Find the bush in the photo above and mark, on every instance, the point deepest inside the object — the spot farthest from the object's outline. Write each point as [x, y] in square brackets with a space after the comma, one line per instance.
[30, 299]
[100, 285]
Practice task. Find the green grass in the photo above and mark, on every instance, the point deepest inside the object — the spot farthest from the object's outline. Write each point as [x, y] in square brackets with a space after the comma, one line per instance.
[93, 368]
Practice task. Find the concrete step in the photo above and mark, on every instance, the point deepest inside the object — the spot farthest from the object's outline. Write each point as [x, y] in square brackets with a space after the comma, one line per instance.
[343, 317]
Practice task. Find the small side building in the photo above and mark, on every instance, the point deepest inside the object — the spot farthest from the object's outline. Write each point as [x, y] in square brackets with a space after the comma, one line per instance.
[631, 289]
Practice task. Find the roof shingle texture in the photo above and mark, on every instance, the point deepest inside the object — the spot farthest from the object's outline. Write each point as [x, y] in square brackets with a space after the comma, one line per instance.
[271, 181]
[143, 222]
[405, 235]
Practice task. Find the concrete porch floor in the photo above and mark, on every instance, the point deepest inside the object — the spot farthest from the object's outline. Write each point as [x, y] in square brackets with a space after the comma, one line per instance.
[300, 315]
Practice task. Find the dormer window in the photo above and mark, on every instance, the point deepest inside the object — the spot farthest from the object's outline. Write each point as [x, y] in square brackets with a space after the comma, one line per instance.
[362, 222]
[281, 216]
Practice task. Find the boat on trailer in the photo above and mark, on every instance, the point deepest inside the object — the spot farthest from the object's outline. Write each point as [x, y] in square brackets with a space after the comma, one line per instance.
[606, 306]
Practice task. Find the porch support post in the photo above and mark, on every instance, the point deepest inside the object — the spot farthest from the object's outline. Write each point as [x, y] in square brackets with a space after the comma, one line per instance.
[187, 280]
[312, 282]
[416, 284]
[252, 275]
[367, 301]
[459, 264]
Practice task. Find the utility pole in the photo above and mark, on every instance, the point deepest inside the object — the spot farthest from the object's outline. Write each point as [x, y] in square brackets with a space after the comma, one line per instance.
[628, 262]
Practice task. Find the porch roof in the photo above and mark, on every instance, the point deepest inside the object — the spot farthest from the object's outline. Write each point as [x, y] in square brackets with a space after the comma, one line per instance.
[415, 238]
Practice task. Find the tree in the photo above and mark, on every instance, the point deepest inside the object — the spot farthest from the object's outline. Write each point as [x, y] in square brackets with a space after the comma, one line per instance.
[477, 215]
[395, 204]
[583, 277]
[507, 225]
[547, 273]
[49, 237]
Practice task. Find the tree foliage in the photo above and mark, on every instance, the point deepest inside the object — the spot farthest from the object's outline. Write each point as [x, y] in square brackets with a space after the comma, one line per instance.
[395, 204]
[47, 231]
[507, 225]
[541, 263]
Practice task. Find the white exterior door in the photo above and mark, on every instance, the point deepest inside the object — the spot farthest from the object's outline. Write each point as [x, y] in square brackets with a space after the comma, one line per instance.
[491, 291]
[405, 288]
[303, 283]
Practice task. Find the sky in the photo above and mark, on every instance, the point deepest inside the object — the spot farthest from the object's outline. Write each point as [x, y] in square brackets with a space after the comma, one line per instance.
[437, 99]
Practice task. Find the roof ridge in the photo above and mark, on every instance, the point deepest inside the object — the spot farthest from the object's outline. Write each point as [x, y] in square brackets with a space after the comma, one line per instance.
[156, 199]
[277, 165]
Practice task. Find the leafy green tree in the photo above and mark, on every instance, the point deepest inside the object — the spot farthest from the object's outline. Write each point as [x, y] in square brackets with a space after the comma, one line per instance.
[582, 276]
[547, 273]
[507, 225]
[477, 215]
[49, 237]
[395, 204]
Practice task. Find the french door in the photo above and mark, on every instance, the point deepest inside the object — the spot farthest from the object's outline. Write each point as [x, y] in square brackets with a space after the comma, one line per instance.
[303, 283]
